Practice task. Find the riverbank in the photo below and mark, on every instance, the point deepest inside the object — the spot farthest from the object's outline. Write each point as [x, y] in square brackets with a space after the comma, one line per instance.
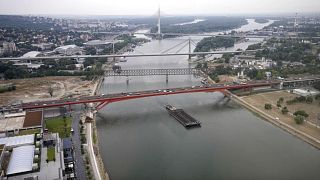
[306, 132]
[93, 148]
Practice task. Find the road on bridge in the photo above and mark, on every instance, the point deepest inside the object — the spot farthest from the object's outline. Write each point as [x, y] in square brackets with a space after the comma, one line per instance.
[110, 98]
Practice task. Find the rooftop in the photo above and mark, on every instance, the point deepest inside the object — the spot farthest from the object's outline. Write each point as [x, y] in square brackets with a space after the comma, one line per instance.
[33, 118]
[21, 160]
[11, 123]
[31, 54]
[67, 143]
[97, 42]
[17, 140]
[66, 47]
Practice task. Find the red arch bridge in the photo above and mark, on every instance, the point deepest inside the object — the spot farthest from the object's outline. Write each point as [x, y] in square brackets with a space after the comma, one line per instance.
[103, 100]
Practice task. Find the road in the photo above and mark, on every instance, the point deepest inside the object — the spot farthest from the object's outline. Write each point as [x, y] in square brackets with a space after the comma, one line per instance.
[140, 94]
[79, 162]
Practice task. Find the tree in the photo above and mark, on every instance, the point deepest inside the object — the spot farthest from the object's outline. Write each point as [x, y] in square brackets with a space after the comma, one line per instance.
[278, 104]
[50, 91]
[317, 85]
[205, 66]
[198, 66]
[226, 58]
[268, 106]
[309, 100]
[284, 110]
[301, 113]
[281, 99]
[301, 99]
[299, 119]
[91, 51]
[259, 75]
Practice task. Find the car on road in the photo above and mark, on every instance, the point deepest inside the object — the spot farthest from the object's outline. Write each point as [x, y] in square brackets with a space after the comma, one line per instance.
[72, 131]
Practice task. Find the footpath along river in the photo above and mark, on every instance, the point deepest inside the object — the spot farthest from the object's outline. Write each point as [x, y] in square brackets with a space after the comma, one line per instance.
[139, 140]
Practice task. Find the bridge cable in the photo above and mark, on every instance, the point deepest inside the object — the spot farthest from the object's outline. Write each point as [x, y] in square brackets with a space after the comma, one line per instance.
[195, 44]
[182, 47]
[139, 51]
[173, 47]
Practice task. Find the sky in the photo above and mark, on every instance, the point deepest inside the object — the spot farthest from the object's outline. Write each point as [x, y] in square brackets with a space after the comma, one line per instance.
[149, 7]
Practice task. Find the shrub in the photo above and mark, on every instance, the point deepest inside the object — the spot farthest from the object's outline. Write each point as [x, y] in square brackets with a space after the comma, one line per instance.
[268, 106]
[290, 102]
[309, 99]
[301, 99]
[317, 97]
[301, 113]
[299, 119]
[278, 104]
[284, 110]
[281, 99]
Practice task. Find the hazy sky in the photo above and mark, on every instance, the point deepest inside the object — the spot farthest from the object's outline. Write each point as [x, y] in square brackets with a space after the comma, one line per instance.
[149, 7]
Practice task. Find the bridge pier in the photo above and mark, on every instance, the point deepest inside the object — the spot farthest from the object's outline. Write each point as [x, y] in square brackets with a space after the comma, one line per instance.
[127, 80]
[189, 49]
[167, 78]
[101, 105]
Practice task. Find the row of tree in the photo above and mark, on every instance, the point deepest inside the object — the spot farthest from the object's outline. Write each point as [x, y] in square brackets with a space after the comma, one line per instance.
[210, 24]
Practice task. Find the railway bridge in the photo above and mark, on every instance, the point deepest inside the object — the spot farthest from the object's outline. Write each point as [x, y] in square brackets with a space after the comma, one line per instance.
[153, 72]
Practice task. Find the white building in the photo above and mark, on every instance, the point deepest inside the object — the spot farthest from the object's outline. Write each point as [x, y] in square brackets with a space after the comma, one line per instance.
[68, 50]
[43, 46]
[32, 54]
[9, 47]
[21, 160]
[97, 43]
[305, 92]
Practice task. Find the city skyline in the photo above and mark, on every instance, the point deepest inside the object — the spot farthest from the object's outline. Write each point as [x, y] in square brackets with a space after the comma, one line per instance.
[144, 7]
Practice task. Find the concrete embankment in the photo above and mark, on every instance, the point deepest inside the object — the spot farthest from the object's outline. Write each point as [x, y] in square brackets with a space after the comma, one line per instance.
[307, 138]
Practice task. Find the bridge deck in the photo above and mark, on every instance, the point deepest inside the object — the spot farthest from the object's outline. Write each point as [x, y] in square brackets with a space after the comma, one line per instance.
[110, 98]
[148, 72]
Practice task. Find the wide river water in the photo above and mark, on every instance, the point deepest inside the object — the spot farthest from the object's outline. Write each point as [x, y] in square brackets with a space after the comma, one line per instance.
[139, 140]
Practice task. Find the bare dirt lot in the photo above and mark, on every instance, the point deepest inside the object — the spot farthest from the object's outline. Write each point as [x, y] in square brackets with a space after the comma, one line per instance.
[34, 89]
[259, 100]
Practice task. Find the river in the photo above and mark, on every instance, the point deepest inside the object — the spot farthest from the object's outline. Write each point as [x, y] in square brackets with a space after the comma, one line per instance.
[139, 140]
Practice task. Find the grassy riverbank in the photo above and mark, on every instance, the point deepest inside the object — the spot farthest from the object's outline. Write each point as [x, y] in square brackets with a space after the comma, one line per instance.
[306, 132]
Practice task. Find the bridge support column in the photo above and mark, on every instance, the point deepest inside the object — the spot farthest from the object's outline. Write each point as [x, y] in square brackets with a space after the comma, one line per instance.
[101, 105]
[127, 80]
[189, 48]
[167, 78]
[113, 52]
[69, 109]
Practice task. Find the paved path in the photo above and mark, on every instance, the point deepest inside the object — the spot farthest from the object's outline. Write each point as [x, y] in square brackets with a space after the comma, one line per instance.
[79, 162]
[93, 160]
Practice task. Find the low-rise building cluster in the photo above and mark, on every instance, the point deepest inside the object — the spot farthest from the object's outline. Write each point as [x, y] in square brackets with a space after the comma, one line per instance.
[30, 151]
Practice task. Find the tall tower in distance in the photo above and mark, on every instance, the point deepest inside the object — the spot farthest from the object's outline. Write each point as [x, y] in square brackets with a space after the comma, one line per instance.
[159, 36]
[295, 26]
